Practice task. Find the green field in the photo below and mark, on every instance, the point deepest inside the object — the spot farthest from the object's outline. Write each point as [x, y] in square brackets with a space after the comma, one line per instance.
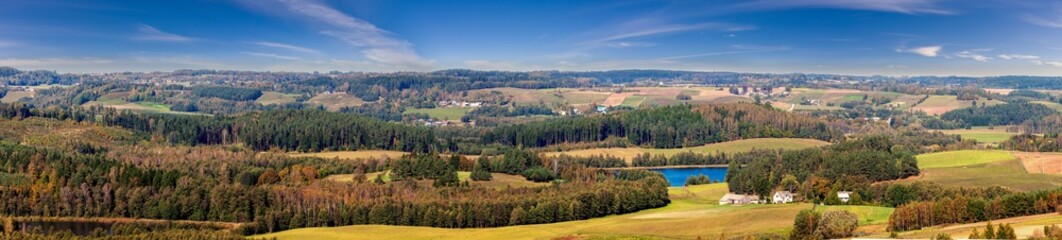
[737, 146]
[442, 113]
[269, 98]
[983, 134]
[993, 170]
[14, 96]
[1052, 105]
[693, 213]
[961, 158]
[633, 101]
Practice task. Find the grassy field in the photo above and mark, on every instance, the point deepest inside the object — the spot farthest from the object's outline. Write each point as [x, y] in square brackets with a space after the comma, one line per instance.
[961, 158]
[352, 155]
[1010, 174]
[335, 101]
[1024, 227]
[633, 101]
[744, 145]
[983, 134]
[268, 98]
[939, 104]
[14, 96]
[1052, 105]
[692, 213]
[444, 113]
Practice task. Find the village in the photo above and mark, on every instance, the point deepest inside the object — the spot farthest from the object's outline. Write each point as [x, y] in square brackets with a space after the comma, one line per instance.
[779, 197]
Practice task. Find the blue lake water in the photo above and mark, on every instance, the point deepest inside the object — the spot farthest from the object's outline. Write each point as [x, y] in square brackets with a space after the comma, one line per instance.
[677, 176]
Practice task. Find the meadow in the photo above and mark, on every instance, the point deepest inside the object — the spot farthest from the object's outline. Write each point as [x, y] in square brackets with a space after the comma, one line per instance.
[939, 104]
[737, 146]
[441, 113]
[269, 98]
[977, 168]
[983, 134]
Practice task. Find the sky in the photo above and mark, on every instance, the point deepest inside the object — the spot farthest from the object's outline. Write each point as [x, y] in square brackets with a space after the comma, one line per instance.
[862, 37]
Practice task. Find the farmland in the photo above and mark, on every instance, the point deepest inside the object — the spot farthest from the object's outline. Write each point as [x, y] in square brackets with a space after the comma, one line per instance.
[442, 113]
[939, 104]
[269, 98]
[982, 168]
[993, 135]
[335, 101]
[744, 145]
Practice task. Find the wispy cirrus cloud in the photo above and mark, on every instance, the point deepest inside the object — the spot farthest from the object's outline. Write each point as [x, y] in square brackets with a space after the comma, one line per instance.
[271, 55]
[376, 44]
[149, 33]
[974, 54]
[740, 50]
[895, 6]
[927, 51]
[286, 47]
[1017, 57]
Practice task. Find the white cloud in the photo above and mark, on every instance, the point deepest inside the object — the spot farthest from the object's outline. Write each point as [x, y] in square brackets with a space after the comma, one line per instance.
[1053, 63]
[286, 47]
[973, 54]
[149, 33]
[928, 51]
[897, 6]
[377, 45]
[1017, 57]
[1052, 22]
[271, 55]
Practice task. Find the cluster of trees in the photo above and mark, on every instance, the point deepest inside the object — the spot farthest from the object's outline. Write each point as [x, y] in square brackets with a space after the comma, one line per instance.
[1001, 114]
[812, 225]
[227, 92]
[962, 209]
[872, 158]
[667, 127]
[1005, 231]
[1051, 142]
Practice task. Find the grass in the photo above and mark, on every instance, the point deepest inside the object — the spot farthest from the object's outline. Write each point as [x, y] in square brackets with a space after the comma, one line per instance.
[498, 180]
[443, 113]
[983, 134]
[1052, 105]
[961, 158]
[737, 146]
[1010, 174]
[1023, 227]
[693, 213]
[269, 98]
[633, 101]
[353, 155]
[335, 101]
[14, 96]
[939, 104]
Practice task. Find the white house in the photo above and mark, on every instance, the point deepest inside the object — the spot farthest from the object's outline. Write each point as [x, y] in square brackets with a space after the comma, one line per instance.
[782, 197]
[844, 196]
[739, 199]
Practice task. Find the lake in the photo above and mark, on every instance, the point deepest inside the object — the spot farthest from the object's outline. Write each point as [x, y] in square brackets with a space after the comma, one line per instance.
[677, 176]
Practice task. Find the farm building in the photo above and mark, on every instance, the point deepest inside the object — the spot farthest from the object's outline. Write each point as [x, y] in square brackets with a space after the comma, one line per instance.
[844, 196]
[739, 199]
[782, 197]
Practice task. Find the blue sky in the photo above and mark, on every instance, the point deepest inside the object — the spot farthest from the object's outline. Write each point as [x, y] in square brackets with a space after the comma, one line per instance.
[900, 37]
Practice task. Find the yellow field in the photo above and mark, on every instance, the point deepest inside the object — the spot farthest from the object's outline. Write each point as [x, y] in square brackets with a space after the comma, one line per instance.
[269, 98]
[634, 96]
[14, 96]
[939, 104]
[694, 212]
[1023, 227]
[335, 101]
[352, 155]
[743, 145]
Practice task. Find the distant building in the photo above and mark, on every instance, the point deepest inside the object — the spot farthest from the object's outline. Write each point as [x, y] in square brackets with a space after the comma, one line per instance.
[602, 109]
[782, 197]
[739, 199]
[844, 196]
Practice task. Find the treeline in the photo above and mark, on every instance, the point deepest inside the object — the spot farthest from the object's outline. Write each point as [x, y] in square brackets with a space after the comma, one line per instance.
[995, 115]
[667, 127]
[871, 158]
[961, 209]
[1051, 142]
[506, 111]
[227, 92]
